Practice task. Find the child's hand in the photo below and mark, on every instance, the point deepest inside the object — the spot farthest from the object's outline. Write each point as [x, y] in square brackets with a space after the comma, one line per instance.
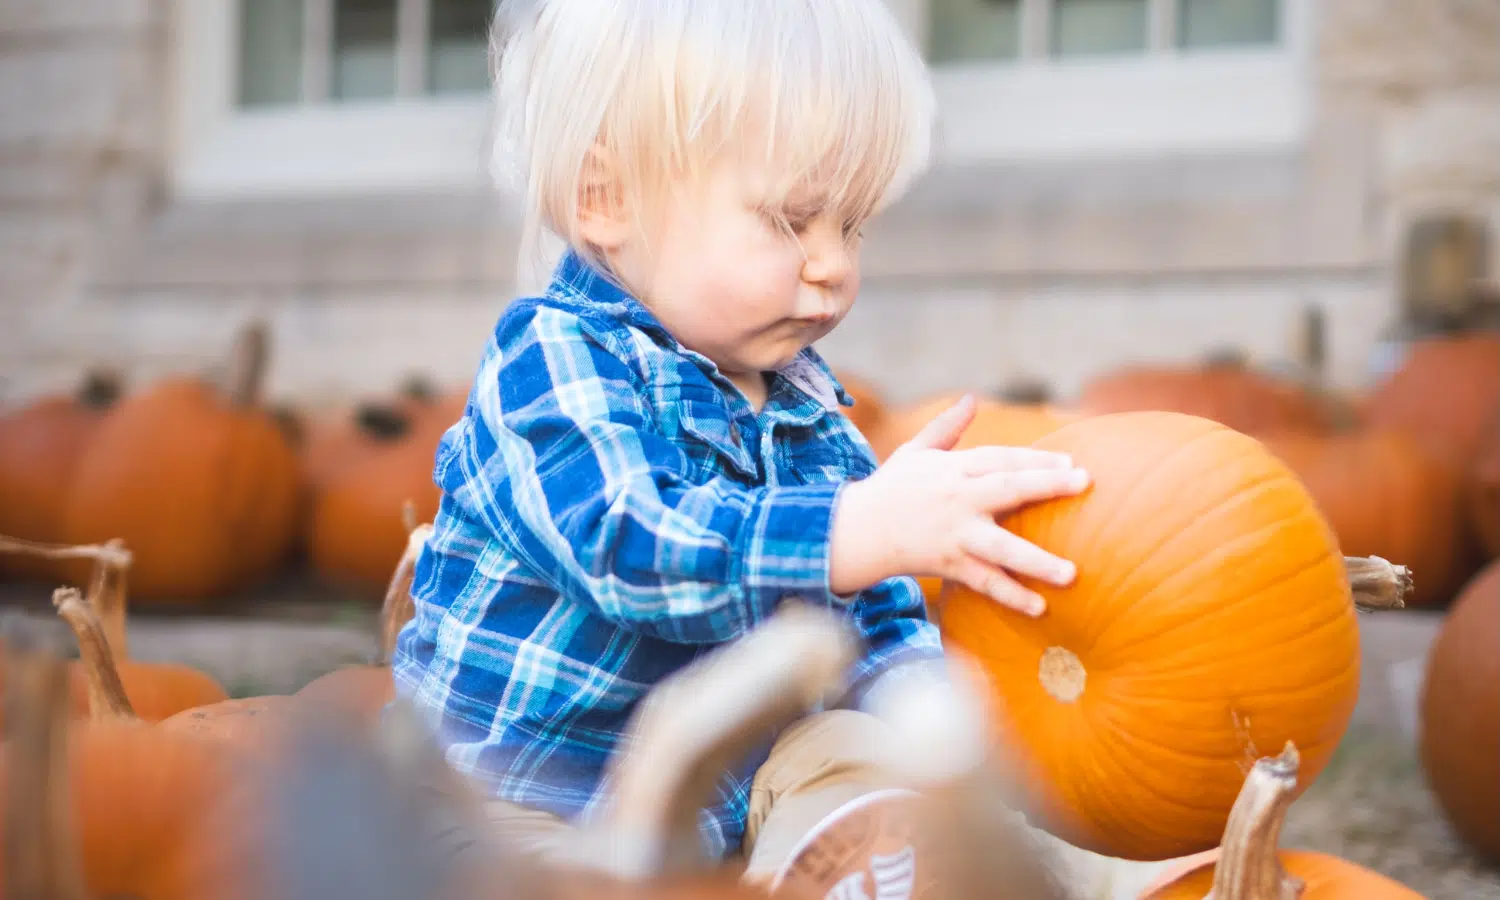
[930, 510]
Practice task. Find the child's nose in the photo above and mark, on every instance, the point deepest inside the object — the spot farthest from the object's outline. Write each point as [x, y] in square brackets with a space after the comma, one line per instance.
[828, 258]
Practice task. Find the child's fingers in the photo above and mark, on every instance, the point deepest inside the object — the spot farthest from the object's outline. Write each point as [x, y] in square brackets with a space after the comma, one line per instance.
[1002, 491]
[984, 460]
[944, 430]
[994, 583]
[991, 544]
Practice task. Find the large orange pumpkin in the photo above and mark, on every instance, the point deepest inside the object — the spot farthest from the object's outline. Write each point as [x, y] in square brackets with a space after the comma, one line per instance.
[1460, 714]
[1445, 393]
[995, 424]
[201, 484]
[1226, 391]
[1387, 496]
[40, 445]
[1256, 869]
[1211, 619]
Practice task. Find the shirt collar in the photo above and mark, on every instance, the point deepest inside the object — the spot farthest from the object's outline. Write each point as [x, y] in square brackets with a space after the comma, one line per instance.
[577, 281]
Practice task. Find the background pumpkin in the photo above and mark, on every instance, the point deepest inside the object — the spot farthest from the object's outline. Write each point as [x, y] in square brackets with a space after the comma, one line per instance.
[1211, 618]
[1460, 714]
[1225, 390]
[995, 423]
[200, 483]
[40, 445]
[1445, 393]
[357, 530]
[1385, 495]
[332, 441]
[1484, 499]
[869, 409]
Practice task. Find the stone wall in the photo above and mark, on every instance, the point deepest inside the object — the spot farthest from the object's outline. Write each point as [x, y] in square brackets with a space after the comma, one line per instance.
[982, 275]
[81, 124]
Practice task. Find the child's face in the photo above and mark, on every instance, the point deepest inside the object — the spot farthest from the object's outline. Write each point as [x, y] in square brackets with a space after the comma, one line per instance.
[730, 282]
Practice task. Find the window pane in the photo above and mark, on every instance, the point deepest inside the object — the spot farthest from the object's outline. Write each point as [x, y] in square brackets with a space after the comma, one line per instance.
[458, 61]
[364, 49]
[270, 52]
[1086, 27]
[1221, 23]
[974, 29]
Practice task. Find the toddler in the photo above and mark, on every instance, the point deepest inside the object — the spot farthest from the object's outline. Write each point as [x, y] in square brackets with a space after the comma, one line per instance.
[653, 456]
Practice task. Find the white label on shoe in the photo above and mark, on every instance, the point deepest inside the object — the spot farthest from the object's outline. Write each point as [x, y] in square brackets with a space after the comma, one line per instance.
[895, 875]
[852, 887]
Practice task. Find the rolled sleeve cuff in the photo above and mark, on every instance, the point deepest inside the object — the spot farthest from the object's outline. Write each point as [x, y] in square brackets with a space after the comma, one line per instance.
[784, 549]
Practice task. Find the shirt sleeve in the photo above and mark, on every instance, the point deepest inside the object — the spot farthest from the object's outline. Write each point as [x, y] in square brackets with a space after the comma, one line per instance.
[892, 617]
[564, 466]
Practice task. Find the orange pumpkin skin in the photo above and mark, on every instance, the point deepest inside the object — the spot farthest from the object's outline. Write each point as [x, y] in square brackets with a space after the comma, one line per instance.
[155, 690]
[1325, 878]
[40, 445]
[203, 493]
[1210, 621]
[1460, 714]
[140, 800]
[357, 532]
[1484, 500]
[1445, 393]
[1386, 496]
[1231, 395]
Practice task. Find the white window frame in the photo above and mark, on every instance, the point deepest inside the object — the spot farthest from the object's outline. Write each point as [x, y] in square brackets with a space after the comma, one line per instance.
[1164, 102]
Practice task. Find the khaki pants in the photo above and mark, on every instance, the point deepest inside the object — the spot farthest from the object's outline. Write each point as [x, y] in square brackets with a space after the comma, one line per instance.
[816, 766]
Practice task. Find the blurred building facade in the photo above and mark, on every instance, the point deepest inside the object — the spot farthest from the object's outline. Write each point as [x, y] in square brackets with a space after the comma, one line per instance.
[1117, 180]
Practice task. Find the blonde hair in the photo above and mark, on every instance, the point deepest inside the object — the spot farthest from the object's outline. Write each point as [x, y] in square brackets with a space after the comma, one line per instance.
[833, 88]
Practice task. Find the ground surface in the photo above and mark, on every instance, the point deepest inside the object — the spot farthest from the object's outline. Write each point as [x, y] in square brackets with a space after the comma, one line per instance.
[1371, 805]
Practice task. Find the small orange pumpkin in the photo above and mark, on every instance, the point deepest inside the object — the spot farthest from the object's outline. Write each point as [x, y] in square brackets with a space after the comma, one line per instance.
[1225, 390]
[201, 486]
[40, 445]
[1249, 865]
[1460, 714]
[356, 535]
[331, 443]
[1445, 393]
[1211, 617]
[1386, 496]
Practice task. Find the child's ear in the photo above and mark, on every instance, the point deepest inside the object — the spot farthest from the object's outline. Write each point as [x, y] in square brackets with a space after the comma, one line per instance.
[603, 217]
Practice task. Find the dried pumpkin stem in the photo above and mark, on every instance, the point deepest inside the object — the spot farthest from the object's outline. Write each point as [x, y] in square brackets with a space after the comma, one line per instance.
[1249, 866]
[694, 726]
[247, 369]
[107, 585]
[1377, 583]
[107, 698]
[40, 857]
[398, 609]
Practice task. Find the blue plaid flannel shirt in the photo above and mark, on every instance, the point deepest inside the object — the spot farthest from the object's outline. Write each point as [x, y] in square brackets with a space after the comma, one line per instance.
[610, 511]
